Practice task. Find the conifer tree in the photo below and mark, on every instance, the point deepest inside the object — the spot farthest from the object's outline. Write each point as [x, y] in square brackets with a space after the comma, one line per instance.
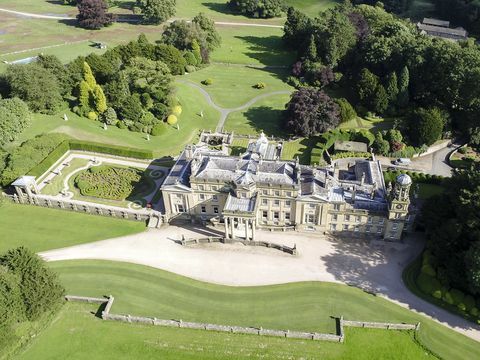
[100, 99]
[312, 49]
[403, 82]
[196, 51]
[392, 87]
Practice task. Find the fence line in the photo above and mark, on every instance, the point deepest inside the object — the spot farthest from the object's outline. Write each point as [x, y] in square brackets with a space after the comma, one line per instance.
[340, 337]
[220, 239]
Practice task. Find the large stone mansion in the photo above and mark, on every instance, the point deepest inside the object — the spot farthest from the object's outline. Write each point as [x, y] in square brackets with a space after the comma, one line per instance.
[258, 190]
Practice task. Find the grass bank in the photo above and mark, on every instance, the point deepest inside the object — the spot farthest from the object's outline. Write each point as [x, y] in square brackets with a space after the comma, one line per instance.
[43, 229]
[310, 306]
[77, 334]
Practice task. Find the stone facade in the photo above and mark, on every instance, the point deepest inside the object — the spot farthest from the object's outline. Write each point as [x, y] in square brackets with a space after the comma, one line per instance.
[258, 190]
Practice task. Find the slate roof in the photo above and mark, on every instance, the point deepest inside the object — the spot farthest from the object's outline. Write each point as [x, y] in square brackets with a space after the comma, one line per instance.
[436, 22]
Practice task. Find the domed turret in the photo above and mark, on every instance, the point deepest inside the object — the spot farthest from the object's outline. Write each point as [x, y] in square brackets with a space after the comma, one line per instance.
[404, 180]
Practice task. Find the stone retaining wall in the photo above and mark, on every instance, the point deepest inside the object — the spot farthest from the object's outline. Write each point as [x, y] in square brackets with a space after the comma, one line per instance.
[154, 218]
[340, 337]
[219, 239]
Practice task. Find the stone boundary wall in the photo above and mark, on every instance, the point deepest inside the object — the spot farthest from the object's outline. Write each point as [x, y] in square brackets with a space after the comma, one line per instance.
[218, 239]
[154, 218]
[378, 325]
[340, 337]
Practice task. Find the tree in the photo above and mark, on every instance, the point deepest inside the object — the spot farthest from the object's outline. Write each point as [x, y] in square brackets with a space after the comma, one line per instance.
[180, 34]
[12, 308]
[296, 28]
[426, 126]
[14, 118]
[39, 286]
[347, 112]
[311, 111]
[312, 49]
[207, 25]
[171, 56]
[371, 93]
[392, 87]
[91, 96]
[35, 85]
[380, 145]
[156, 11]
[403, 83]
[472, 264]
[258, 8]
[109, 117]
[55, 66]
[196, 51]
[92, 14]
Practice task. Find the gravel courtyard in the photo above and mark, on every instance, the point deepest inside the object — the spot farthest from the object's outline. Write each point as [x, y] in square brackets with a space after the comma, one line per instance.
[375, 268]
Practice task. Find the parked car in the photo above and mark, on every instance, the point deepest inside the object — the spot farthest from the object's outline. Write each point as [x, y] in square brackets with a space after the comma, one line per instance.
[402, 162]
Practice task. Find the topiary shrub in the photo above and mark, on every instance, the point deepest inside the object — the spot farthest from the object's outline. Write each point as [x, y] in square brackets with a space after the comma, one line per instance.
[447, 297]
[462, 307]
[92, 115]
[121, 125]
[207, 82]
[457, 296]
[474, 312]
[463, 150]
[429, 270]
[260, 85]
[172, 120]
[437, 294]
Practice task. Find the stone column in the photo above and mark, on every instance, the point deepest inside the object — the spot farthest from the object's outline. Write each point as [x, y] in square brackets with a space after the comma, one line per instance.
[232, 226]
[253, 230]
[225, 220]
[247, 224]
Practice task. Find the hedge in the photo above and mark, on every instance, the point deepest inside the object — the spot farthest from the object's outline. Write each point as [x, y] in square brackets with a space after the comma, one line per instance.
[390, 176]
[53, 157]
[351, 154]
[110, 149]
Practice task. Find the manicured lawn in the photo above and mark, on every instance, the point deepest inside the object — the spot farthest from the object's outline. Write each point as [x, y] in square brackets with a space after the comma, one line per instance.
[42, 229]
[169, 143]
[265, 115]
[77, 334]
[301, 148]
[247, 45]
[233, 85]
[56, 185]
[142, 290]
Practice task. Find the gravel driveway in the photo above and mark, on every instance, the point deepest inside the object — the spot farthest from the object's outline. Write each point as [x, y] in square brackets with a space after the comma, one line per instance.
[376, 268]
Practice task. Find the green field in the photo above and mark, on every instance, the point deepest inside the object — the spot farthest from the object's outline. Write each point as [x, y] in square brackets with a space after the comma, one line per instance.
[233, 85]
[146, 291]
[43, 229]
[77, 334]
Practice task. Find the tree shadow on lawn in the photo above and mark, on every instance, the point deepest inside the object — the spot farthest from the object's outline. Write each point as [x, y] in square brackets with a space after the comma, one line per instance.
[266, 119]
[268, 50]
[378, 270]
[221, 8]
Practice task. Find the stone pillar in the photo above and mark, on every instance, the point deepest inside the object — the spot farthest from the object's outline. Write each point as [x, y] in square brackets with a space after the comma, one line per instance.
[232, 226]
[253, 230]
[225, 220]
[247, 224]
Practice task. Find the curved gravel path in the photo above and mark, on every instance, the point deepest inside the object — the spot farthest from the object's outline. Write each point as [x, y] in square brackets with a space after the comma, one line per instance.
[224, 112]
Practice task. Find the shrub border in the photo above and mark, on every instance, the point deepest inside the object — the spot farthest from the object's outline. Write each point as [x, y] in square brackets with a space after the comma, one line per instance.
[409, 276]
